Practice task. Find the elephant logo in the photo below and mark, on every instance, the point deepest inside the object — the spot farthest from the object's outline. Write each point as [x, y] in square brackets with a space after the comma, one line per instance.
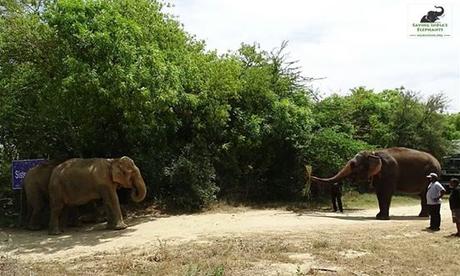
[432, 16]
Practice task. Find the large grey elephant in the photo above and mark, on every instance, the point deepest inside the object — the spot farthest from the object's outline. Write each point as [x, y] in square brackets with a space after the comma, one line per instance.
[393, 169]
[78, 181]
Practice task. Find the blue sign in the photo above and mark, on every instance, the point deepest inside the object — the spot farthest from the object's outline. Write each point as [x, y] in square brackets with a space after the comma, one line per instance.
[19, 170]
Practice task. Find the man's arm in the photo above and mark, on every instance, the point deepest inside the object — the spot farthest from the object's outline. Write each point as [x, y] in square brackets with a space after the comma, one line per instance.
[442, 191]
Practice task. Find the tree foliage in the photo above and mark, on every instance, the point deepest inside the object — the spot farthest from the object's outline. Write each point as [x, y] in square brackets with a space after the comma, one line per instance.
[396, 117]
[111, 78]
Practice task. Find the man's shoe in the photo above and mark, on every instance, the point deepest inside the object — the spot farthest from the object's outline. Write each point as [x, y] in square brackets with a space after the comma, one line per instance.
[435, 229]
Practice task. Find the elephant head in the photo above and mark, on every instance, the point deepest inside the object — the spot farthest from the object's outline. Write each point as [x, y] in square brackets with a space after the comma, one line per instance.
[128, 175]
[432, 16]
[361, 168]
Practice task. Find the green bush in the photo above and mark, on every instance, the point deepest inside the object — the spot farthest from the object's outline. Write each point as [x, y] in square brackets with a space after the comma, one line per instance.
[189, 181]
[330, 150]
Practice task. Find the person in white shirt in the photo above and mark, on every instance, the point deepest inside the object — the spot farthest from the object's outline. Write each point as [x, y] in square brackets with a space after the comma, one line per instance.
[433, 198]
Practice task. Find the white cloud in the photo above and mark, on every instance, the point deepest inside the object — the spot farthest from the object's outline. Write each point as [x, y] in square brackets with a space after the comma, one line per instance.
[351, 43]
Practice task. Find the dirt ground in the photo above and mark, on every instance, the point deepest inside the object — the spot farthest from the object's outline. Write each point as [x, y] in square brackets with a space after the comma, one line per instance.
[243, 241]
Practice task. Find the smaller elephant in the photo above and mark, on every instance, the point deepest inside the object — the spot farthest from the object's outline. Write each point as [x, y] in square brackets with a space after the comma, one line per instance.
[36, 198]
[78, 181]
[36, 194]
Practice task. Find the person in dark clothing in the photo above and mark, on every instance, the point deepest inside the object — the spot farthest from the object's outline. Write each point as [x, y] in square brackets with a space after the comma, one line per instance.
[336, 196]
[454, 203]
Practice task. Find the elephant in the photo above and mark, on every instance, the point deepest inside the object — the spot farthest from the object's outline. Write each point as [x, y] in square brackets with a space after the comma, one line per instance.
[389, 170]
[36, 194]
[78, 181]
[432, 16]
[36, 199]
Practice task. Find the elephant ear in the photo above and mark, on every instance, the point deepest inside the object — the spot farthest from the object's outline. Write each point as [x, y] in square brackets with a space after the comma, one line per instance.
[120, 175]
[375, 165]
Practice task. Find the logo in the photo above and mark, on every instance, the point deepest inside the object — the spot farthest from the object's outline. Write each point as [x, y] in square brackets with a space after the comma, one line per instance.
[432, 16]
[426, 20]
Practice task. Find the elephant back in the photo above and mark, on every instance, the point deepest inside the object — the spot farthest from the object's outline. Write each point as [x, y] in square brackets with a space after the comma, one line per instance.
[413, 167]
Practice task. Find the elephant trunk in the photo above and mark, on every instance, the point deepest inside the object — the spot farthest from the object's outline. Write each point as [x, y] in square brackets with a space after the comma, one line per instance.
[139, 190]
[440, 12]
[344, 172]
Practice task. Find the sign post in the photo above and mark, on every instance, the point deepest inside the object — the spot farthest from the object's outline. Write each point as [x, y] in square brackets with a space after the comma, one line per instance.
[19, 170]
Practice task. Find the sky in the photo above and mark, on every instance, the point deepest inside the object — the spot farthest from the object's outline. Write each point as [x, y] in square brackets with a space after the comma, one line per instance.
[345, 44]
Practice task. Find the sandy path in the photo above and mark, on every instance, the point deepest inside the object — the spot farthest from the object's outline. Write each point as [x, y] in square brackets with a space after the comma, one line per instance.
[176, 229]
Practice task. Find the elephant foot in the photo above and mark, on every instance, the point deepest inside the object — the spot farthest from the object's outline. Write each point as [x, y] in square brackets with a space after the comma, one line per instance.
[379, 216]
[76, 224]
[118, 226]
[93, 219]
[34, 227]
[54, 232]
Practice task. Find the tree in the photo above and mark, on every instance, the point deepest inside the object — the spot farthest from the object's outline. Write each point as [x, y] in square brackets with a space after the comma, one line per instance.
[111, 78]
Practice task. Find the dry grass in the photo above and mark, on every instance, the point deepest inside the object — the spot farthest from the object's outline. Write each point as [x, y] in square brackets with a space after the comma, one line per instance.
[399, 248]
[351, 200]
[392, 250]
[10, 266]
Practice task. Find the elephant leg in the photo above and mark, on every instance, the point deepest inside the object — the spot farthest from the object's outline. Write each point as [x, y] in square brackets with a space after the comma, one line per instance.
[34, 219]
[384, 194]
[109, 217]
[123, 211]
[424, 212]
[72, 217]
[35, 207]
[114, 218]
[101, 212]
[69, 217]
[384, 207]
[64, 218]
[56, 211]
[93, 212]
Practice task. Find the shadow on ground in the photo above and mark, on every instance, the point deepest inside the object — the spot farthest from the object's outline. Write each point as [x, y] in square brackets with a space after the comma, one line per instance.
[348, 215]
[20, 241]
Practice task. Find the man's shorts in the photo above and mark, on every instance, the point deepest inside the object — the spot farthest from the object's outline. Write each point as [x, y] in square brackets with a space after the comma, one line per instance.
[456, 216]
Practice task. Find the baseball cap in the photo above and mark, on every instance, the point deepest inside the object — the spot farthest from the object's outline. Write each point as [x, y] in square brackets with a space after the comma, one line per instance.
[432, 175]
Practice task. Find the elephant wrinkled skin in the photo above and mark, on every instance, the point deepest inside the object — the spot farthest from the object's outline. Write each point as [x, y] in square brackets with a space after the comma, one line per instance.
[78, 181]
[389, 170]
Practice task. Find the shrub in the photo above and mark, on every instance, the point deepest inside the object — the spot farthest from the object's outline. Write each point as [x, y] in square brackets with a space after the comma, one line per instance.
[189, 182]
